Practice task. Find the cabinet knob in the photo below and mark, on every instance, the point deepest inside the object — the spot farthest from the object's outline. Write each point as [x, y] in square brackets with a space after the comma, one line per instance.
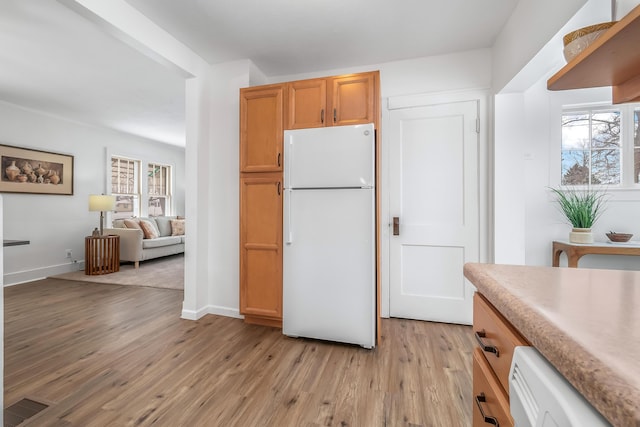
[322, 116]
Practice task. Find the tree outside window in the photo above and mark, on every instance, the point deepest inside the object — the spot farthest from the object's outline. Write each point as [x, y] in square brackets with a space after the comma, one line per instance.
[591, 147]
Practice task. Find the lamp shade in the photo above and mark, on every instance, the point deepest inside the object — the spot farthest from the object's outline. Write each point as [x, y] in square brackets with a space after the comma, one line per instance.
[101, 202]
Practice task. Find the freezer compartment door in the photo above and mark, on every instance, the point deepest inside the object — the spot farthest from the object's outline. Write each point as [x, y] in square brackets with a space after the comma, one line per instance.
[329, 265]
[341, 156]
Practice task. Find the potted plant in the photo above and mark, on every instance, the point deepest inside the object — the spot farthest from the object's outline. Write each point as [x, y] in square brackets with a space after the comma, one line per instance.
[581, 209]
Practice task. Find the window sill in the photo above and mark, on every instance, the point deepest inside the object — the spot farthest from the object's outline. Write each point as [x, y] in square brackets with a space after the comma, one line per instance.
[614, 194]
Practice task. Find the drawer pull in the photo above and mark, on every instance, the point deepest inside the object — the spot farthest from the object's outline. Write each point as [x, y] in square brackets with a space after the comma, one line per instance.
[488, 348]
[489, 420]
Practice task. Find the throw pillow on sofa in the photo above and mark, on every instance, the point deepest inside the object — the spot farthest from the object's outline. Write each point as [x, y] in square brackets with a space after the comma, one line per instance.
[132, 223]
[149, 229]
[177, 227]
[164, 225]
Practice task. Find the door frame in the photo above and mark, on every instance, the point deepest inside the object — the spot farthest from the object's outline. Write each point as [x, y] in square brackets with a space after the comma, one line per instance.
[485, 168]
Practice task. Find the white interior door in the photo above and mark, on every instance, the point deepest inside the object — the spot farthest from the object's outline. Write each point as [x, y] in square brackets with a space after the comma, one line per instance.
[434, 194]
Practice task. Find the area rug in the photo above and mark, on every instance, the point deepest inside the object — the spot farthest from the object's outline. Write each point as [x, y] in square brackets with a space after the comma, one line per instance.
[165, 272]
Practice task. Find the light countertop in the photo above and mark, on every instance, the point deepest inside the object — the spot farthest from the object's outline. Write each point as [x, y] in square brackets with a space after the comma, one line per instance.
[586, 322]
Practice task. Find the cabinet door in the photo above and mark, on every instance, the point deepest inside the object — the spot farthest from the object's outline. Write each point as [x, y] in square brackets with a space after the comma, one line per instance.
[490, 403]
[307, 104]
[261, 128]
[498, 337]
[261, 246]
[353, 99]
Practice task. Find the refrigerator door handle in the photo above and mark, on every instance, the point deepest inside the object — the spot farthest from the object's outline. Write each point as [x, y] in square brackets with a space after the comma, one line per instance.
[288, 237]
[287, 162]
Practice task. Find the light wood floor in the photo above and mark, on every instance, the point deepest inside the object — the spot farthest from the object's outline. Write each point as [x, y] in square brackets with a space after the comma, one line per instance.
[109, 355]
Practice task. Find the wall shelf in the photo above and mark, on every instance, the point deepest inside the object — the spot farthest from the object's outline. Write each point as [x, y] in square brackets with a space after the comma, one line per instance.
[612, 60]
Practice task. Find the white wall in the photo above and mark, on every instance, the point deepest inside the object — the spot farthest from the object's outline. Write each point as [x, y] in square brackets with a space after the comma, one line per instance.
[544, 223]
[433, 74]
[196, 271]
[224, 163]
[422, 81]
[532, 24]
[54, 223]
[211, 278]
[212, 254]
[509, 145]
[527, 144]
[1, 314]
[211, 153]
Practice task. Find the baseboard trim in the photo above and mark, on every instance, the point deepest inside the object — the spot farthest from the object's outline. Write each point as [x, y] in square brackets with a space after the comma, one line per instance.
[193, 314]
[210, 309]
[225, 311]
[18, 277]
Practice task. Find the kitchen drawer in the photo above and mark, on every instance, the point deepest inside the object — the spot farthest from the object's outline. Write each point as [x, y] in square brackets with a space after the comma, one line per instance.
[490, 402]
[496, 338]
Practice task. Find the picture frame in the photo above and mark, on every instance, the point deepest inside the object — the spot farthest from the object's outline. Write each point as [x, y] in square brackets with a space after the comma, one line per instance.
[25, 170]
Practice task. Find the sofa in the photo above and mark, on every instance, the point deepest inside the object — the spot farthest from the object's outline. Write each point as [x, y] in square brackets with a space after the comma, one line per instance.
[146, 238]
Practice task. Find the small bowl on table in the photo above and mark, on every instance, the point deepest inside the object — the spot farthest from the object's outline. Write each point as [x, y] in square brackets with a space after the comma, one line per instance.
[619, 237]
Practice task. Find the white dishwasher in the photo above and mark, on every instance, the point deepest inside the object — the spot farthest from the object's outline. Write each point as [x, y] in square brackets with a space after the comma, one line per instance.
[540, 396]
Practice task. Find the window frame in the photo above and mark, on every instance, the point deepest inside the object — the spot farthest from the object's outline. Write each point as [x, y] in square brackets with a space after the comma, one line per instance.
[136, 194]
[168, 186]
[627, 148]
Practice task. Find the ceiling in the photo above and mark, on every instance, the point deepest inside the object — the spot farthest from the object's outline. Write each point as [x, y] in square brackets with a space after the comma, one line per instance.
[55, 61]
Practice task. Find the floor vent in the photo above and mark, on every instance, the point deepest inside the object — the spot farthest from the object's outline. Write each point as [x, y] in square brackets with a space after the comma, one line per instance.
[21, 410]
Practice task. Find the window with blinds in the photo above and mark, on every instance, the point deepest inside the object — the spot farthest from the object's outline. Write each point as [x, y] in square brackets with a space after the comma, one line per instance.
[125, 186]
[159, 189]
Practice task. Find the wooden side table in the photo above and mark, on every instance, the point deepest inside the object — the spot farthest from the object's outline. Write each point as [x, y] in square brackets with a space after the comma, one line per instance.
[575, 251]
[101, 254]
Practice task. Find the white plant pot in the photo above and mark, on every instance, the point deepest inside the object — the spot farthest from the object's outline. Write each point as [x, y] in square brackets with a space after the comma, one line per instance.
[581, 235]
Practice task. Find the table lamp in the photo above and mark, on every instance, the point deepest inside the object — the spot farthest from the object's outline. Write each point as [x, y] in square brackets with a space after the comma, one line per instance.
[101, 203]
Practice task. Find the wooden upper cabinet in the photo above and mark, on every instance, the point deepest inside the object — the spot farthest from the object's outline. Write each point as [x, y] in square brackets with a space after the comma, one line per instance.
[307, 106]
[333, 101]
[353, 99]
[261, 128]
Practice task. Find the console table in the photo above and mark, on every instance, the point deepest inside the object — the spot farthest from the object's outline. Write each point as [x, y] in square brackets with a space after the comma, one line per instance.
[102, 254]
[575, 251]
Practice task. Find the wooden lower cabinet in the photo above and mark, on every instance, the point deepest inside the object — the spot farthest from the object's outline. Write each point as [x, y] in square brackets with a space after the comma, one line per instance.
[497, 339]
[490, 403]
[261, 249]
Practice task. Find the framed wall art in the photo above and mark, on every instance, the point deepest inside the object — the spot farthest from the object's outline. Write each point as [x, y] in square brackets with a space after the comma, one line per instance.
[33, 171]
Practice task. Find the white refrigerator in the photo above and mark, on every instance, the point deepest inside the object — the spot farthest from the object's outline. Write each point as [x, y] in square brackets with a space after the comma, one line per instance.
[329, 285]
